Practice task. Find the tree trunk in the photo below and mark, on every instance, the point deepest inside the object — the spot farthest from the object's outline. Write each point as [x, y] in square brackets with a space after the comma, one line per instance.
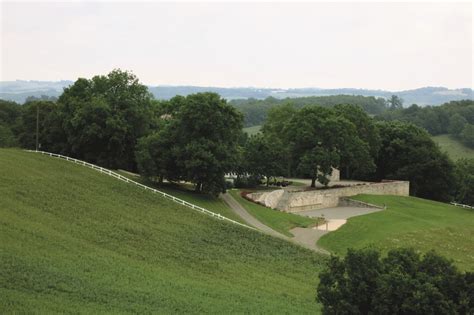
[268, 180]
[313, 182]
[160, 180]
[198, 186]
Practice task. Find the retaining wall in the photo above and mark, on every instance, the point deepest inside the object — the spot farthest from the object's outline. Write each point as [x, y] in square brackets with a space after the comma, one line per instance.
[295, 201]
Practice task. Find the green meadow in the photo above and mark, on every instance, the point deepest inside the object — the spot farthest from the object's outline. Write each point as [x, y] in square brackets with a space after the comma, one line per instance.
[77, 241]
[186, 193]
[455, 149]
[409, 222]
[252, 130]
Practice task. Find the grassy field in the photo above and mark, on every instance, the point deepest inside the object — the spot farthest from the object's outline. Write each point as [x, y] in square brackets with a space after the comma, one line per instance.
[454, 148]
[279, 221]
[203, 200]
[74, 240]
[252, 130]
[409, 221]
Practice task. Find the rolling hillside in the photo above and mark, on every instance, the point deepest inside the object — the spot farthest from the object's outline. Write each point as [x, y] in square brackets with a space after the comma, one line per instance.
[409, 222]
[455, 149]
[75, 240]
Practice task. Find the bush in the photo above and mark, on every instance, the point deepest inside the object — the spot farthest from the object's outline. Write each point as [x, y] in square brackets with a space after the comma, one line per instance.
[401, 283]
[247, 181]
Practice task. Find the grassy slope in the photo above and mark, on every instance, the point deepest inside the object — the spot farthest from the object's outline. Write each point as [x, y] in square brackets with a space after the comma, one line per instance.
[206, 201]
[74, 240]
[279, 221]
[455, 149]
[409, 221]
[252, 130]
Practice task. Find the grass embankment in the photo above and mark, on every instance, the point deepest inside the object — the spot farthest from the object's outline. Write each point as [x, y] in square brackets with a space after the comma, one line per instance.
[74, 240]
[455, 149]
[280, 221]
[252, 130]
[409, 222]
[180, 191]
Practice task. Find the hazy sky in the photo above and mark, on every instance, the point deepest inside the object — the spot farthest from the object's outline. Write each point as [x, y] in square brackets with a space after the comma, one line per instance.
[361, 45]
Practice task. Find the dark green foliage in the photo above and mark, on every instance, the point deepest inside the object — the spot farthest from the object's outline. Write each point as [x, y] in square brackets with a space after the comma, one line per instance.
[452, 118]
[263, 157]
[318, 139]
[196, 140]
[408, 153]
[467, 135]
[464, 171]
[10, 112]
[256, 111]
[367, 131]
[395, 102]
[27, 130]
[102, 118]
[7, 138]
[456, 124]
[401, 283]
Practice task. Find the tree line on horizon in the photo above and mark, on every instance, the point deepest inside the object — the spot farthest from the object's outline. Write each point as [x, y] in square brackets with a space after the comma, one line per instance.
[113, 120]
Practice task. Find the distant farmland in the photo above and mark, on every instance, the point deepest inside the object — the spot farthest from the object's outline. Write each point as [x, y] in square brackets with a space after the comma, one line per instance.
[455, 149]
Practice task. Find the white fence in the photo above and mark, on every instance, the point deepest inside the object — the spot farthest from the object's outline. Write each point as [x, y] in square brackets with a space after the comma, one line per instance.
[127, 180]
[461, 205]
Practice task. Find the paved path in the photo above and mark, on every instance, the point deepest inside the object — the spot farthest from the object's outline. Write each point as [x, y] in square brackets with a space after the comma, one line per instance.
[306, 237]
[302, 236]
[336, 217]
[247, 217]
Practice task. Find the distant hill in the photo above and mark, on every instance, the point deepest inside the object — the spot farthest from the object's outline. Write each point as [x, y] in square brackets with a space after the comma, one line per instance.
[19, 90]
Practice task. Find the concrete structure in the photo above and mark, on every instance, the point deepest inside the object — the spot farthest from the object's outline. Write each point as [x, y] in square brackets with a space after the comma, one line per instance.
[296, 201]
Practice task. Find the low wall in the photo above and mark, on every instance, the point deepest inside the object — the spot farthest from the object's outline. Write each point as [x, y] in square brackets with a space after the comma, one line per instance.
[327, 198]
[295, 201]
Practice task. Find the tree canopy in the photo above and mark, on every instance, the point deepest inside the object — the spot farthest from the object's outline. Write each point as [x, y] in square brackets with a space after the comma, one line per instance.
[197, 142]
[403, 282]
[102, 118]
[408, 153]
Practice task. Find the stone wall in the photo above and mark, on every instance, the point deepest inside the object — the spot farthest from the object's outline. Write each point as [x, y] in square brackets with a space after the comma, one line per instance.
[326, 198]
[295, 201]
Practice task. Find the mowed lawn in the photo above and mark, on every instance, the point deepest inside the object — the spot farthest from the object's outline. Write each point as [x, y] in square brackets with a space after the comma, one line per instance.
[455, 149]
[77, 241]
[206, 201]
[280, 221]
[409, 222]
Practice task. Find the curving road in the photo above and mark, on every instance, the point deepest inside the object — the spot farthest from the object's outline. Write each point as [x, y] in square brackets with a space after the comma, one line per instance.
[306, 237]
[303, 236]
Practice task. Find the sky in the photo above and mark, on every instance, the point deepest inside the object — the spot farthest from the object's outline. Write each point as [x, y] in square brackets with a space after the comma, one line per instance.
[392, 46]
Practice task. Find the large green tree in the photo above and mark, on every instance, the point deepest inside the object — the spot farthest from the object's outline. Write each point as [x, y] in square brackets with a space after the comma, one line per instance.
[198, 142]
[263, 157]
[103, 118]
[464, 171]
[404, 282]
[30, 113]
[320, 139]
[366, 131]
[408, 153]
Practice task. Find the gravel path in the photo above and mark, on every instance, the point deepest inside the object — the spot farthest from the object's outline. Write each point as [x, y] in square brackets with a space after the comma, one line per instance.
[305, 237]
[248, 218]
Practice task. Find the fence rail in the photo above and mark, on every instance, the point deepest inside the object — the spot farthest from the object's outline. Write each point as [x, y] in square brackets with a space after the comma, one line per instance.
[461, 205]
[127, 180]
